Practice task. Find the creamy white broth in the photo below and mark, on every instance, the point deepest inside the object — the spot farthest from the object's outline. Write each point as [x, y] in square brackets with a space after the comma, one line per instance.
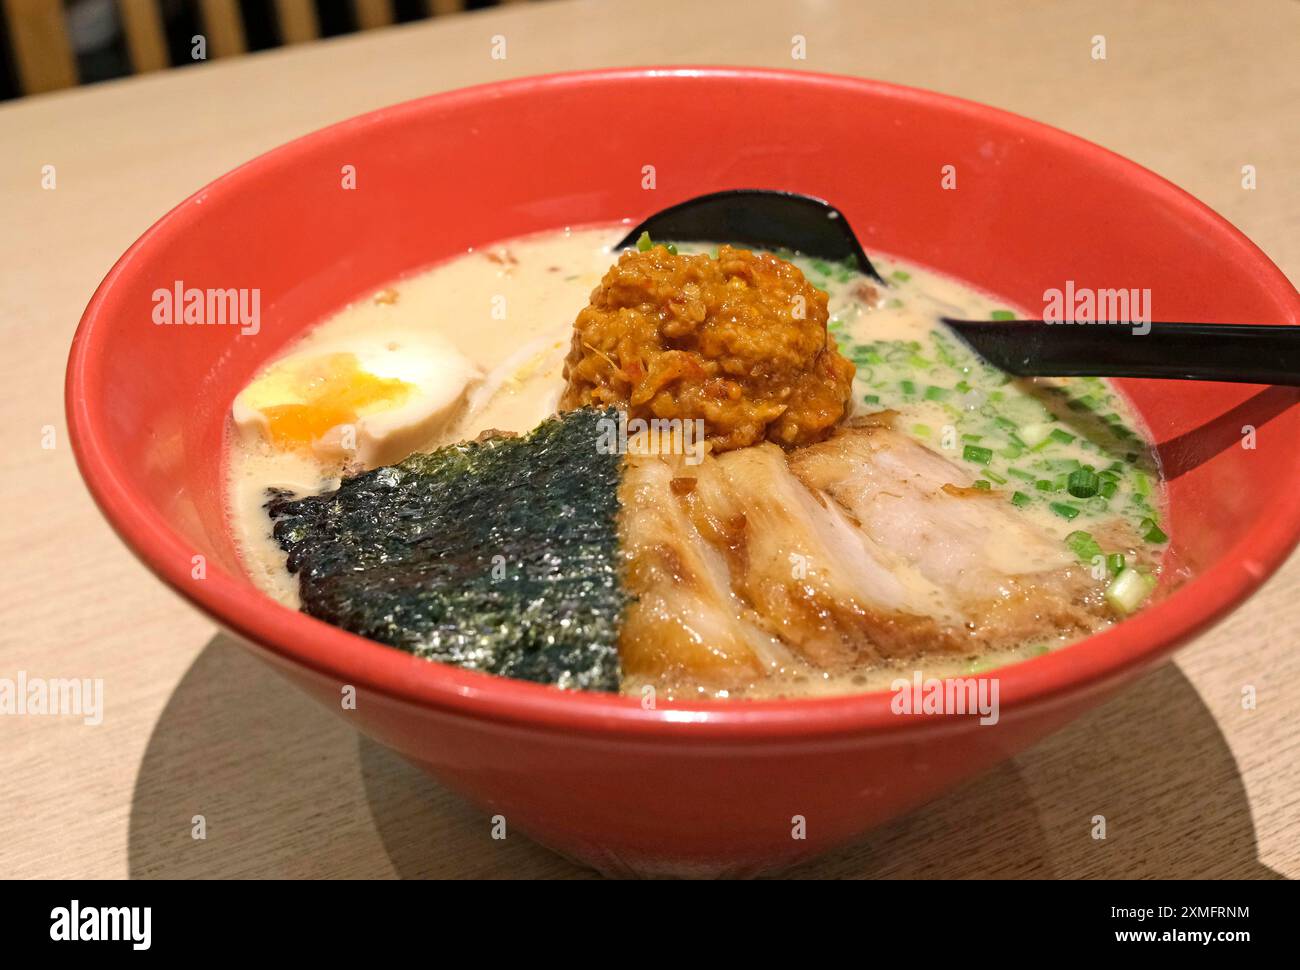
[510, 308]
[537, 284]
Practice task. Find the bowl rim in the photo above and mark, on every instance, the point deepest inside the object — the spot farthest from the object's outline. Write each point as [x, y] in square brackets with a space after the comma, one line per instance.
[1092, 664]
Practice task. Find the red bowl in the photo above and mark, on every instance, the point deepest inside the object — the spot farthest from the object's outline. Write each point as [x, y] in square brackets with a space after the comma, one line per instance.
[687, 787]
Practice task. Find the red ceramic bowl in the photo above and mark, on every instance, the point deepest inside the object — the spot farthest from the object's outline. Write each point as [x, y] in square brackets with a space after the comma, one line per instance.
[694, 787]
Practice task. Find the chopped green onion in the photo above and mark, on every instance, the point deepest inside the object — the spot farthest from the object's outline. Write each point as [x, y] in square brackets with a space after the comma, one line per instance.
[1115, 563]
[921, 430]
[1062, 466]
[942, 352]
[1128, 590]
[901, 275]
[1057, 435]
[995, 477]
[1020, 500]
[981, 456]
[1043, 485]
[1035, 434]
[1063, 510]
[1152, 532]
[871, 399]
[1027, 476]
[643, 242]
[936, 393]
[980, 483]
[908, 387]
[1082, 483]
[1002, 315]
[1083, 545]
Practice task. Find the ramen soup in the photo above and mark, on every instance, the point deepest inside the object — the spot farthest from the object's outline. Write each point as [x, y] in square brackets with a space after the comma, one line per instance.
[711, 471]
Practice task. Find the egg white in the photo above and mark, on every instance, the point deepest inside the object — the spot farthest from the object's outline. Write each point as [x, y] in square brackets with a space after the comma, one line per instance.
[439, 377]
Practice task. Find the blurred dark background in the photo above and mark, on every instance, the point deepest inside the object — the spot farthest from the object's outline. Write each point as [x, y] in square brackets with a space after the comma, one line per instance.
[46, 45]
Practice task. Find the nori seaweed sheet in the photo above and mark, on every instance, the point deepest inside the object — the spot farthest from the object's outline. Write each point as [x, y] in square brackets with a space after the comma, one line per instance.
[499, 555]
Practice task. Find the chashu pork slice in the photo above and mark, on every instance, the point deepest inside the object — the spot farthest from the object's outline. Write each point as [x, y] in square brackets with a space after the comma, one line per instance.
[683, 622]
[862, 548]
[1009, 581]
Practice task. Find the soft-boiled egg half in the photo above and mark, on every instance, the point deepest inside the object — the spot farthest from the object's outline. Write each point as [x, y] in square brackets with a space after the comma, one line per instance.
[367, 402]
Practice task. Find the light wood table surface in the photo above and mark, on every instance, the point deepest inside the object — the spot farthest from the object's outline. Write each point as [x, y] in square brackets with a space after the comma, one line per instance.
[1191, 784]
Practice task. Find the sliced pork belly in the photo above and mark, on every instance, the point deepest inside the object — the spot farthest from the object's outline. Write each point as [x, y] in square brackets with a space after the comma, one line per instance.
[865, 547]
[684, 621]
[812, 576]
[1009, 581]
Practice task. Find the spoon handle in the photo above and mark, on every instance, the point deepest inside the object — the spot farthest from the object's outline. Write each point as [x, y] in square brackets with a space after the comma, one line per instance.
[1236, 352]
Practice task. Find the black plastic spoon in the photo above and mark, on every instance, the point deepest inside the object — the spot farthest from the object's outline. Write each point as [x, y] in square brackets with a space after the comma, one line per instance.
[759, 217]
[1242, 353]
[770, 219]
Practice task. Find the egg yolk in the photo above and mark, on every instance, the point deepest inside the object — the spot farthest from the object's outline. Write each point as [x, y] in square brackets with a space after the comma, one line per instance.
[326, 392]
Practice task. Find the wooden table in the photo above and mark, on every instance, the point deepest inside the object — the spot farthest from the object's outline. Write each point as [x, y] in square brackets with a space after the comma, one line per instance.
[1191, 784]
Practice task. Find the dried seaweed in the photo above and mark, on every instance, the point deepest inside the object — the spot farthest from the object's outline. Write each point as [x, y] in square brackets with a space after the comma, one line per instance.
[499, 555]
